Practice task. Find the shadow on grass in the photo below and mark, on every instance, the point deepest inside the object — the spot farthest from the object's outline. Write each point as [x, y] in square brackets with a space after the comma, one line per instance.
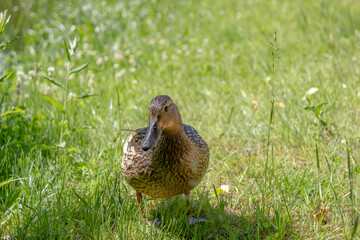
[221, 221]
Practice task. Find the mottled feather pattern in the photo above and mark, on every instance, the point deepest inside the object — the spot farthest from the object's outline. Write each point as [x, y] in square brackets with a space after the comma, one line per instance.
[175, 166]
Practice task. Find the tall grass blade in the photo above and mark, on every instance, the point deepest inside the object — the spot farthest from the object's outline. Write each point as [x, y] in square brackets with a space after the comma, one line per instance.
[6, 182]
[317, 157]
[53, 102]
[350, 179]
[53, 81]
[67, 51]
[356, 225]
[78, 69]
[83, 96]
[3, 45]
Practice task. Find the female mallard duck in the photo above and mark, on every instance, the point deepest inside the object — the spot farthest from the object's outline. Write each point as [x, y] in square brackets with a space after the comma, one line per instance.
[167, 158]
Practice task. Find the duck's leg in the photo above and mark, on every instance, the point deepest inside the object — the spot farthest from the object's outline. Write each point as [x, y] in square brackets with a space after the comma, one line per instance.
[187, 197]
[192, 220]
[139, 200]
[147, 222]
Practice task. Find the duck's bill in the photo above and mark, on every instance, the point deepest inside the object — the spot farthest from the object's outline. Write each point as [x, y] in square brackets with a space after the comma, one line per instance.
[151, 137]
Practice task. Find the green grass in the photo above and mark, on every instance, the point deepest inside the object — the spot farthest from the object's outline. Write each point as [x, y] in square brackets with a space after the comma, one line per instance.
[293, 172]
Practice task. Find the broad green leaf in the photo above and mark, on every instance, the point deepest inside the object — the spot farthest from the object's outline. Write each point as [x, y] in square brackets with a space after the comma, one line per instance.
[72, 150]
[266, 225]
[81, 165]
[83, 96]
[323, 123]
[78, 69]
[5, 76]
[321, 105]
[309, 108]
[14, 110]
[53, 102]
[53, 81]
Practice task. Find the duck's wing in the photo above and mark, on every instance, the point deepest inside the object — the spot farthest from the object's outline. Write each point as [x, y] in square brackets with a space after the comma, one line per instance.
[135, 160]
[194, 136]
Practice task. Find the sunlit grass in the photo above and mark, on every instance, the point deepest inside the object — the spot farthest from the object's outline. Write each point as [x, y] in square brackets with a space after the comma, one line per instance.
[60, 160]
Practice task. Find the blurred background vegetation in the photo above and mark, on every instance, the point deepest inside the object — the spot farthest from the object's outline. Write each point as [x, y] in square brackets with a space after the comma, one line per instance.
[221, 62]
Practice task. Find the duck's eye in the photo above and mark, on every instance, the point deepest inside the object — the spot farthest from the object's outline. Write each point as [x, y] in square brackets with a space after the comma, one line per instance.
[166, 108]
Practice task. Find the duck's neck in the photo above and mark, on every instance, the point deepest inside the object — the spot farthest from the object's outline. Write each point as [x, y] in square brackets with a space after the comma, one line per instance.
[174, 141]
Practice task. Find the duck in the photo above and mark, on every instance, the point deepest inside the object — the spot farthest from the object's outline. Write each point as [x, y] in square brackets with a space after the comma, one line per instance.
[167, 158]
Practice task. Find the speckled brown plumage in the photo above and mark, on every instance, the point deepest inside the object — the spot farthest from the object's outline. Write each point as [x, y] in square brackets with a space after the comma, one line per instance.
[175, 165]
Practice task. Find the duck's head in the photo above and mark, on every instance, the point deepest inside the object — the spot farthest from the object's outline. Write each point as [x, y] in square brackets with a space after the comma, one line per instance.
[164, 117]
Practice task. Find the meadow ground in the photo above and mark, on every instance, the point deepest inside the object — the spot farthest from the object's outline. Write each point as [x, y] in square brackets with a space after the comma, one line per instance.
[280, 114]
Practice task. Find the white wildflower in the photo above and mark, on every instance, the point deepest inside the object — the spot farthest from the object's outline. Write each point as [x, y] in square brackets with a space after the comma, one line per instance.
[81, 79]
[79, 54]
[118, 56]
[311, 91]
[132, 60]
[20, 75]
[99, 61]
[32, 73]
[47, 90]
[164, 56]
[50, 71]
[120, 73]
[86, 46]
[90, 82]
[71, 95]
